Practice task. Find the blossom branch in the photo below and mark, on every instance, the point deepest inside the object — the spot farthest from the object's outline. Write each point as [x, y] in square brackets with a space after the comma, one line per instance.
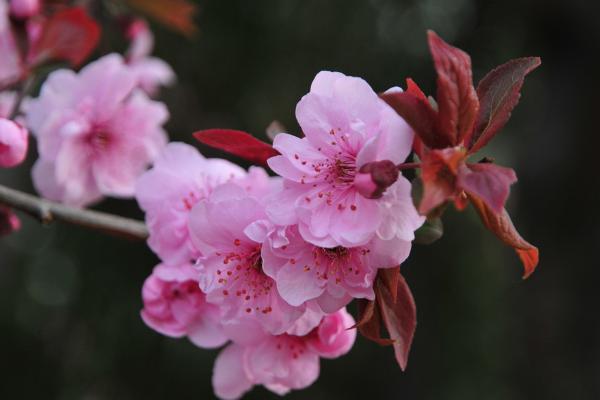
[47, 212]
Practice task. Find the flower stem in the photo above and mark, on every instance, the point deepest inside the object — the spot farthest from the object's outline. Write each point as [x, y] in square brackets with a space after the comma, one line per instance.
[404, 166]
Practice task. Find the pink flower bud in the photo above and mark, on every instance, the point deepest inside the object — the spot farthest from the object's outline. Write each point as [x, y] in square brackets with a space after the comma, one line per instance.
[9, 222]
[23, 9]
[13, 143]
[375, 177]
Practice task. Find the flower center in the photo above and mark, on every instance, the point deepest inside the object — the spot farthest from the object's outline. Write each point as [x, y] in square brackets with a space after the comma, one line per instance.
[336, 263]
[343, 170]
[244, 279]
[99, 140]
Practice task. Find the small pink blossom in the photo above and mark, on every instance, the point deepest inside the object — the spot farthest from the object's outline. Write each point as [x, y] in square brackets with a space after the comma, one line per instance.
[151, 72]
[224, 229]
[180, 178]
[9, 222]
[13, 143]
[96, 133]
[23, 9]
[284, 362]
[175, 306]
[330, 276]
[11, 65]
[346, 126]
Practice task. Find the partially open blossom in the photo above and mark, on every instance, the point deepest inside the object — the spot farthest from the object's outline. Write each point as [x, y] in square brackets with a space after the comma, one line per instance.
[331, 276]
[13, 143]
[9, 222]
[180, 178]
[284, 362]
[347, 126]
[374, 178]
[96, 133]
[23, 9]
[175, 306]
[151, 72]
[223, 228]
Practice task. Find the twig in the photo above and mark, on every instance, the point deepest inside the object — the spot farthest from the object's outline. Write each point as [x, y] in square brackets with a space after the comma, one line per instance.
[408, 166]
[47, 212]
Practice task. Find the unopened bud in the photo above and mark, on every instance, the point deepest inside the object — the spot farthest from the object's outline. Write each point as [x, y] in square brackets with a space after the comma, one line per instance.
[9, 222]
[375, 177]
[13, 143]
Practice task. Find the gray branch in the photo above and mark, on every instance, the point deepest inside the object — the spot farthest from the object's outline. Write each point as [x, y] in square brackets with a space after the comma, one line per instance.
[47, 212]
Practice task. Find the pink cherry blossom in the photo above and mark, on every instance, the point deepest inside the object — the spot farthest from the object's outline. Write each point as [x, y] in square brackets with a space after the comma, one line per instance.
[96, 133]
[7, 103]
[24, 8]
[13, 143]
[224, 229]
[346, 126]
[330, 276]
[11, 66]
[151, 72]
[180, 178]
[284, 362]
[9, 222]
[175, 306]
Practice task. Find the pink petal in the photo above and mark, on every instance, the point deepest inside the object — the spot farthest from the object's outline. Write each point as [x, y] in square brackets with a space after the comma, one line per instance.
[229, 379]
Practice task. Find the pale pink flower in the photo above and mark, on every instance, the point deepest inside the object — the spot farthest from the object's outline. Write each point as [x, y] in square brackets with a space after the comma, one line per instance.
[13, 143]
[284, 362]
[96, 133]
[7, 103]
[175, 306]
[11, 65]
[151, 72]
[230, 269]
[180, 178]
[330, 276]
[9, 222]
[23, 9]
[346, 126]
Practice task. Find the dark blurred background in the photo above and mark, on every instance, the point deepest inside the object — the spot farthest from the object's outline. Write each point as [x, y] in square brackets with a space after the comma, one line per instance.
[70, 298]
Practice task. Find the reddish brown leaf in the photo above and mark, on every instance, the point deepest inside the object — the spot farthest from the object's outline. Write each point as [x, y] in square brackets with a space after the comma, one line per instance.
[501, 225]
[68, 35]
[414, 89]
[366, 312]
[389, 277]
[499, 93]
[419, 114]
[487, 181]
[238, 143]
[175, 14]
[371, 328]
[456, 96]
[399, 317]
[439, 170]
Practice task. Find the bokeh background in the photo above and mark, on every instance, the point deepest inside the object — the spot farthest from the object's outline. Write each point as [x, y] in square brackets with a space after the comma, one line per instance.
[70, 298]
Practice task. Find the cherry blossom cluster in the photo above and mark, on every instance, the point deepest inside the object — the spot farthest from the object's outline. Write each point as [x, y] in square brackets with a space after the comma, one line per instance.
[259, 262]
[269, 263]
